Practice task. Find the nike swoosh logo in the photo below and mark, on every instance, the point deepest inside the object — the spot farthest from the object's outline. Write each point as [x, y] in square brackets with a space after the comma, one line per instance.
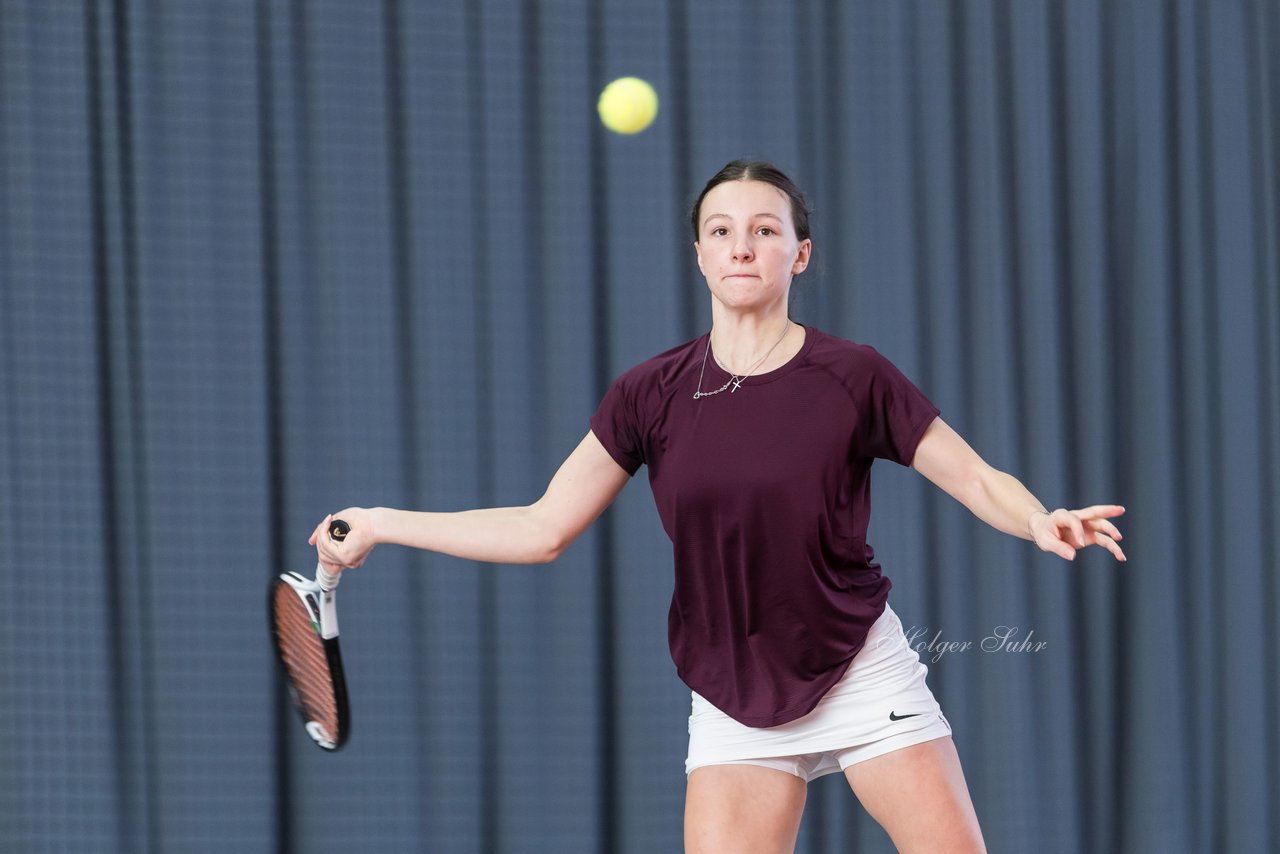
[894, 717]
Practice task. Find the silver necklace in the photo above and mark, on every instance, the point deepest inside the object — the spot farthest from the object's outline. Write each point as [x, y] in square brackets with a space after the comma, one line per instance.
[734, 379]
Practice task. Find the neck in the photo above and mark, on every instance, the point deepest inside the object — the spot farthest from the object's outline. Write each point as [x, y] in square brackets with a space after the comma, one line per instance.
[740, 341]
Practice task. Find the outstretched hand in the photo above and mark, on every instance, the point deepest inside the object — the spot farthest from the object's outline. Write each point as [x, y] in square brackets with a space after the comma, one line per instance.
[1064, 531]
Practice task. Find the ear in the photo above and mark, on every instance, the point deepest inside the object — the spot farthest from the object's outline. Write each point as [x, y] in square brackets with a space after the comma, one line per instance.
[697, 249]
[802, 257]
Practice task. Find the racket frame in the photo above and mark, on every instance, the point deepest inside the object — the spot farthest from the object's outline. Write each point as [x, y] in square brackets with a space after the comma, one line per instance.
[320, 605]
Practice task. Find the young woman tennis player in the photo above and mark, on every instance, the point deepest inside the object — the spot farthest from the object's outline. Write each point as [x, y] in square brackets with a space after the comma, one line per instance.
[759, 438]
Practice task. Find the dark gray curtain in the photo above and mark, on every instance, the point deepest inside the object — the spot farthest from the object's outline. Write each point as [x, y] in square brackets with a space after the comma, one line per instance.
[259, 261]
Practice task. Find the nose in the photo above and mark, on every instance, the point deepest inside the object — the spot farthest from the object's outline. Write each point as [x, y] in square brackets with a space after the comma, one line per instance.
[742, 250]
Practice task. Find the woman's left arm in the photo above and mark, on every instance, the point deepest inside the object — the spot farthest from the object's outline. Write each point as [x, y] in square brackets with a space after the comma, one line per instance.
[1000, 499]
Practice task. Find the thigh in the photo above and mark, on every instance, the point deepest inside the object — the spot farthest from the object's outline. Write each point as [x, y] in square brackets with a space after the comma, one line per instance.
[742, 808]
[919, 796]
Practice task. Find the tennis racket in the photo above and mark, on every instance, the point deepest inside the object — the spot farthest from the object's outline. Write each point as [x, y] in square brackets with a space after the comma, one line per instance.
[304, 626]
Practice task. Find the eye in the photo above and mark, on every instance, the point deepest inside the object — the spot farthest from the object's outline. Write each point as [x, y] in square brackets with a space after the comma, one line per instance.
[766, 229]
[719, 231]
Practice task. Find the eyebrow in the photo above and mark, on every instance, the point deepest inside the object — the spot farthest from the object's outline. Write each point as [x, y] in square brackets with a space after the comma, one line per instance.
[762, 213]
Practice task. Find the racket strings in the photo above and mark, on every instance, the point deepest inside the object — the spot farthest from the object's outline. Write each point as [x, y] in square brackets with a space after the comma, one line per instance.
[304, 657]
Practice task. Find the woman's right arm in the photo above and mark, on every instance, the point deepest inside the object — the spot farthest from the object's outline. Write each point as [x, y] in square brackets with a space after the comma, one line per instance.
[585, 484]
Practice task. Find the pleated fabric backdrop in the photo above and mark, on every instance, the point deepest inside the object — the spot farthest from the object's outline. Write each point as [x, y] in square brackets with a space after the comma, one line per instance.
[260, 261]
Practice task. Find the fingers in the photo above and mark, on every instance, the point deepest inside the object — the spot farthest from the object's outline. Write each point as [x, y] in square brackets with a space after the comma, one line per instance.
[1099, 511]
[325, 545]
[321, 528]
[1063, 550]
[1075, 529]
[348, 553]
[1103, 526]
[1110, 545]
[1104, 532]
[1068, 519]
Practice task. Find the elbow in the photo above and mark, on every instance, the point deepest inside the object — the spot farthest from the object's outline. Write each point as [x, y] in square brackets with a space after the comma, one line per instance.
[549, 541]
[550, 551]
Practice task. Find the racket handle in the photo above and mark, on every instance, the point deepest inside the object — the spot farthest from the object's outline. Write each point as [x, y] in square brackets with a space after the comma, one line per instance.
[327, 580]
[338, 530]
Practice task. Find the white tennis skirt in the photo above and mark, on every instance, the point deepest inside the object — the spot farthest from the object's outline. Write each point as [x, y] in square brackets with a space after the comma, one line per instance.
[881, 704]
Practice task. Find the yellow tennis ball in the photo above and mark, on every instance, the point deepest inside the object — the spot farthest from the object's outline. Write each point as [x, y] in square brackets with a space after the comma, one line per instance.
[628, 105]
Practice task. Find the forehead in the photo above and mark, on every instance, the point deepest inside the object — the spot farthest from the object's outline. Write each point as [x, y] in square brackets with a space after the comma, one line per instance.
[746, 198]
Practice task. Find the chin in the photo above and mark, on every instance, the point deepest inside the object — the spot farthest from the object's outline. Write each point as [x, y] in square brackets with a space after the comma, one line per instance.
[754, 299]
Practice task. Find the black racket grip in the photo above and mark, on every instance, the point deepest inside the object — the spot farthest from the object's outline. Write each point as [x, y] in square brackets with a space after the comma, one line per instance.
[338, 530]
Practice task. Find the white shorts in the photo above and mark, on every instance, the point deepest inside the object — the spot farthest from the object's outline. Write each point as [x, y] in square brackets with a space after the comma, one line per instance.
[881, 704]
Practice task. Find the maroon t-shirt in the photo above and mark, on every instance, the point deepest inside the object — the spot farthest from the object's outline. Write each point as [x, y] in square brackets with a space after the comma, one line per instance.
[766, 493]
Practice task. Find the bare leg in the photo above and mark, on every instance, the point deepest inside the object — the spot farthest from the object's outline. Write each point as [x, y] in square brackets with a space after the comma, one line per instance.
[746, 809]
[919, 796]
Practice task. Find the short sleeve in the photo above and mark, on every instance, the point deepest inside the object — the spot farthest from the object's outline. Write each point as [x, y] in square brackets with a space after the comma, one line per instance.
[616, 426]
[895, 413]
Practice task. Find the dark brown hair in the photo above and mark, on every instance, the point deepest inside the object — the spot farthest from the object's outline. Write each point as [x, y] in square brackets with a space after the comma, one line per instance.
[758, 170]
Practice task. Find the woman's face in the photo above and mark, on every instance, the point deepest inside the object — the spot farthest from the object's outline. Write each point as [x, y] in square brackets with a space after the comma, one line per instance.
[747, 246]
